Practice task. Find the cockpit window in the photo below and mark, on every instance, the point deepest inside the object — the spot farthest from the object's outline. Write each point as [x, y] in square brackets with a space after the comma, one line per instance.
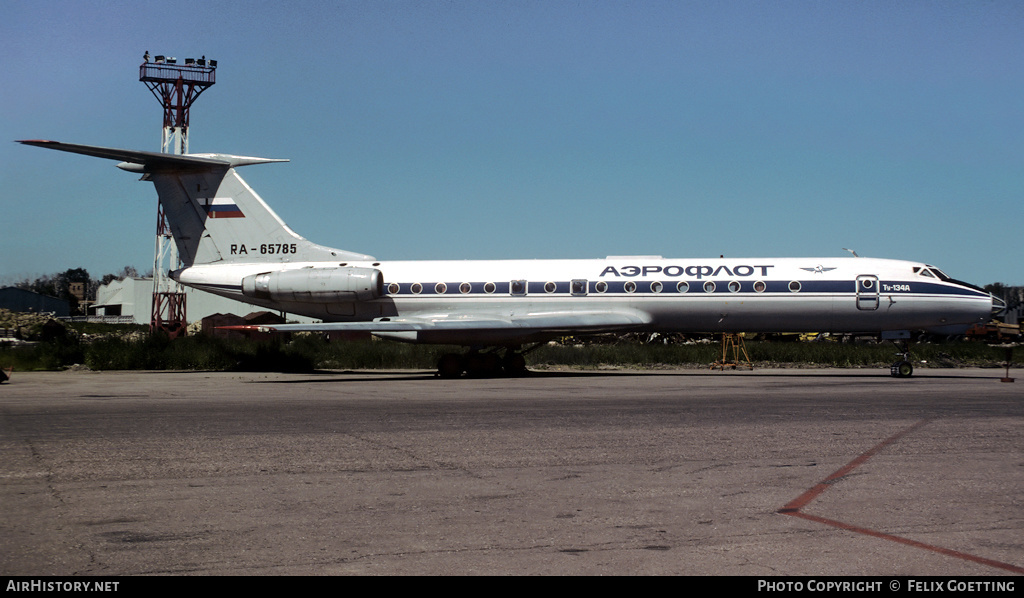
[931, 272]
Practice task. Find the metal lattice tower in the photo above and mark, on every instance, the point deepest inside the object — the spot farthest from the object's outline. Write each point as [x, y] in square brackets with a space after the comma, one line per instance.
[176, 87]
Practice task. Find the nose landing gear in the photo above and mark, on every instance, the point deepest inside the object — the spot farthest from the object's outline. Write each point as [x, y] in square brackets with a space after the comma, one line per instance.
[902, 368]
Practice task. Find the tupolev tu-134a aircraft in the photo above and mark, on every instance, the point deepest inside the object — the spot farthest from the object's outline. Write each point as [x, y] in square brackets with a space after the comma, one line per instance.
[232, 244]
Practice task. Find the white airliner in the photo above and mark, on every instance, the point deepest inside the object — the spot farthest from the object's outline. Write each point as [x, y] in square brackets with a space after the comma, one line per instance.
[232, 244]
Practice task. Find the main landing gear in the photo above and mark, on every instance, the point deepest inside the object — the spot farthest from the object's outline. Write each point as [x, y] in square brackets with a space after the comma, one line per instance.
[484, 364]
[902, 368]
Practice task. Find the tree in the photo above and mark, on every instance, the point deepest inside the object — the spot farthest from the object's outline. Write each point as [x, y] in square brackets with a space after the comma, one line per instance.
[128, 272]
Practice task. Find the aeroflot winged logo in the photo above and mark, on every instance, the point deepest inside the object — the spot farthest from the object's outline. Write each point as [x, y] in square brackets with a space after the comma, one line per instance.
[221, 207]
[818, 269]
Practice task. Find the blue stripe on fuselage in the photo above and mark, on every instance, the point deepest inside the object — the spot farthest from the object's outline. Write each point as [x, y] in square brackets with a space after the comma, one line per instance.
[696, 287]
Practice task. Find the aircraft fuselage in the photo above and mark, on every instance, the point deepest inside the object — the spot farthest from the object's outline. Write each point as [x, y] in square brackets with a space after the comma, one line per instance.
[850, 295]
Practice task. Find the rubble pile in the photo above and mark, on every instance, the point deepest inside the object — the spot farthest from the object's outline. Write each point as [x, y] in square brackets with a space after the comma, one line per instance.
[18, 326]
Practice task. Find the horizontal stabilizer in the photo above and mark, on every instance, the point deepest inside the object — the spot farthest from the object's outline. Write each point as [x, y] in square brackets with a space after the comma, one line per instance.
[153, 160]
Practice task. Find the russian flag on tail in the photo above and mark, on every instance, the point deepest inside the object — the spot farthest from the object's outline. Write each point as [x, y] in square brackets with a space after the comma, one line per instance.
[222, 207]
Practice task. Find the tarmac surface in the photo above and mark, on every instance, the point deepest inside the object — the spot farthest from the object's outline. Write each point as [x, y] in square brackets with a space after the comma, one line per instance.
[688, 472]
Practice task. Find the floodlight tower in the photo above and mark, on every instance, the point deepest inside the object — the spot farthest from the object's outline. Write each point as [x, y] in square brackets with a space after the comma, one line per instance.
[176, 87]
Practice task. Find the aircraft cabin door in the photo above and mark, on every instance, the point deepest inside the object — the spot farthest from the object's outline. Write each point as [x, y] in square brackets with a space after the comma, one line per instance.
[867, 292]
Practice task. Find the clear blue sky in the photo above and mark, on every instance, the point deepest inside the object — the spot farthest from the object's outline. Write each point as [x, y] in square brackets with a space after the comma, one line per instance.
[522, 129]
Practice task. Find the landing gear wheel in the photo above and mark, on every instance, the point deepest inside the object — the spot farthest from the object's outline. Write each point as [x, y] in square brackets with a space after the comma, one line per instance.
[482, 365]
[450, 366]
[514, 364]
[902, 369]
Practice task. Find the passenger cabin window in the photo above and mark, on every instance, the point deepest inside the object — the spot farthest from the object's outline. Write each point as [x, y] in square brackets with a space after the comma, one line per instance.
[517, 287]
[579, 287]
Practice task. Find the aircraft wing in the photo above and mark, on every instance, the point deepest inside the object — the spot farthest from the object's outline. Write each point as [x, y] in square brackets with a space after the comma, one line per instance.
[472, 325]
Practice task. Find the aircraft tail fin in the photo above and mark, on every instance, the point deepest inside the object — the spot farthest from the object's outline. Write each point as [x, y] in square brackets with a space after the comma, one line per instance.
[214, 216]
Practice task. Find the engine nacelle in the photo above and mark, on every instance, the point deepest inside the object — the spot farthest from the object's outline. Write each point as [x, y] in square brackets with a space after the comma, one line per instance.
[316, 285]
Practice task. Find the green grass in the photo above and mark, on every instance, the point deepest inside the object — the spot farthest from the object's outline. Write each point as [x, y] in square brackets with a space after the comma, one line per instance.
[42, 356]
[138, 351]
[773, 354]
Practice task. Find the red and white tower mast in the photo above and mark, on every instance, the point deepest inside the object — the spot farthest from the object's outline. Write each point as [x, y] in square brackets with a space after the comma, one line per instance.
[176, 87]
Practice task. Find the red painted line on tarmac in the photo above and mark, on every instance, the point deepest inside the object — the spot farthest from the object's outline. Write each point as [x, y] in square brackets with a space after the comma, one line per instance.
[909, 542]
[793, 508]
[802, 500]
